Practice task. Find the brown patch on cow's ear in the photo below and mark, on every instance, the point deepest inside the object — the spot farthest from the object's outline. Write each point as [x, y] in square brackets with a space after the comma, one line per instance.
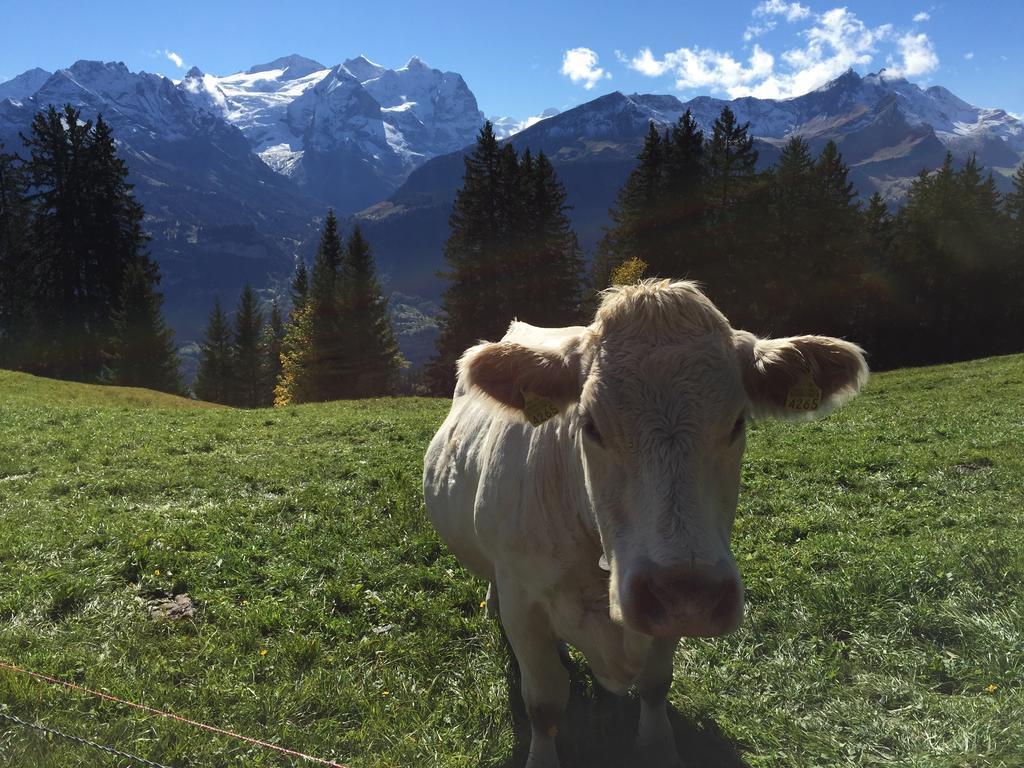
[800, 376]
[510, 373]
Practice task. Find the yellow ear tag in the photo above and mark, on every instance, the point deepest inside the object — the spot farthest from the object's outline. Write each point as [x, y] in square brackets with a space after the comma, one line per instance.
[804, 395]
[538, 409]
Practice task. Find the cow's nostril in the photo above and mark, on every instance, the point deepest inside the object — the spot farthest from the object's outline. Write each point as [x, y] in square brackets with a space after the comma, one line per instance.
[645, 600]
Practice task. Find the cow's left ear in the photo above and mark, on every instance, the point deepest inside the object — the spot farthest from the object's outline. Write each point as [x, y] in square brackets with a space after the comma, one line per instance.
[801, 376]
[535, 381]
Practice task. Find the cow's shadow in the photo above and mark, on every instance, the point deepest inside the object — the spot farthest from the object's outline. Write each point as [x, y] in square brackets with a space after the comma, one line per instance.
[599, 728]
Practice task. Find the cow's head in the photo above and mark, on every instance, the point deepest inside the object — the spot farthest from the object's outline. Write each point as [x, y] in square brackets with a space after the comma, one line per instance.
[658, 392]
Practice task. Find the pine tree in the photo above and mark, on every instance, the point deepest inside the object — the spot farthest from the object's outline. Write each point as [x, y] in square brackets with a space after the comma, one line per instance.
[300, 287]
[86, 236]
[731, 162]
[272, 340]
[1013, 210]
[683, 203]
[16, 276]
[142, 350]
[550, 289]
[248, 354]
[317, 341]
[634, 230]
[472, 302]
[215, 380]
[372, 360]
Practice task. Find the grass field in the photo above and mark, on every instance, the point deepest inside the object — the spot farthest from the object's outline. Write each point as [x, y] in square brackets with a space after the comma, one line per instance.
[882, 550]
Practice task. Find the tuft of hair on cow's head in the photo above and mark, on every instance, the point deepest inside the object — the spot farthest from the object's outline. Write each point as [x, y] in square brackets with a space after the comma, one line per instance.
[510, 372]
[799, 377]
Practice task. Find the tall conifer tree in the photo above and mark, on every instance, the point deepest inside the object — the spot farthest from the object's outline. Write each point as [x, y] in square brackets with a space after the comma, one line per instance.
[215, 380]
[373, 360]
[248, 354]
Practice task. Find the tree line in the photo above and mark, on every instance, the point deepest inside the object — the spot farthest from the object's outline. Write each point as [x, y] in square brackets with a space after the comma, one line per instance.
[337, 344]
[787, 250]
[78, 289]
[791, 249]
[79, 298]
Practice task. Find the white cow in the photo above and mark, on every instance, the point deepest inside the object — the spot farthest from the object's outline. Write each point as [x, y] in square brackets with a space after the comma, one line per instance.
[591, 475]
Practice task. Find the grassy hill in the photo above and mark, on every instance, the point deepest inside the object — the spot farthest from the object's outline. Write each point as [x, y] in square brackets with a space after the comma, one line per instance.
[882, 550]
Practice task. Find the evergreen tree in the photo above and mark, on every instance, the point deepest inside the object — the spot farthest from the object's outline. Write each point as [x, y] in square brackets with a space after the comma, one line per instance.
[16, 276]
[272, 339]
[248, 354]
[550, 289]
[373, 360]
[636, 230]
[215, 380]
[878, 225]
[316, 344]
[472, 302]
[86, 238]
[731, 162]
[1013, 209]
[142, 351]
[684, 201]
[300, 287]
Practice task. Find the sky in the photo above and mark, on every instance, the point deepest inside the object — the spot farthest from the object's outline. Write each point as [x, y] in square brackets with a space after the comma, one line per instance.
[521, 58]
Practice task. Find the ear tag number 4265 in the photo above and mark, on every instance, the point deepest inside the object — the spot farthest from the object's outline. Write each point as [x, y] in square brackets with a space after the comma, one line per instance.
[804, 395]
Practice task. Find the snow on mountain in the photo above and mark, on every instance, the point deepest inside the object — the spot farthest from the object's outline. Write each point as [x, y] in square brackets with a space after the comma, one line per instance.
[381, 123]
[504, 127]
[362, 69]
[24, 85]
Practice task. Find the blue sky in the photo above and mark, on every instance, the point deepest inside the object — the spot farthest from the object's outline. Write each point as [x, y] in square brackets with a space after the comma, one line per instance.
[522, 57]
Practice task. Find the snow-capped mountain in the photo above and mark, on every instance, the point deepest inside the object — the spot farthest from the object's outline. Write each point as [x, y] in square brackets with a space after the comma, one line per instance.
[235, 170]
[216, 213]
[364, 126]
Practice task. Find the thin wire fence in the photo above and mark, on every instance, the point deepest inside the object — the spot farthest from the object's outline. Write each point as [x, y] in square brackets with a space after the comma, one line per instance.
[150, 711]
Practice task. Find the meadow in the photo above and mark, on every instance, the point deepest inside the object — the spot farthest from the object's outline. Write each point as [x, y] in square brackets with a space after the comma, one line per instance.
[882, 551]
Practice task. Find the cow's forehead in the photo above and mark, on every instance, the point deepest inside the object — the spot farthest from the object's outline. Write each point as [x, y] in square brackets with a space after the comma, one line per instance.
[691, 379]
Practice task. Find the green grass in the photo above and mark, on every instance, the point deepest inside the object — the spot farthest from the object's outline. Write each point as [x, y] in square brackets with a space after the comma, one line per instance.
[882, 550]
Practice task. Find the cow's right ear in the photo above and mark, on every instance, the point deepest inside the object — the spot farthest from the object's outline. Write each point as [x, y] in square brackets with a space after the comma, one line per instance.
[523, 377]
[801, 376]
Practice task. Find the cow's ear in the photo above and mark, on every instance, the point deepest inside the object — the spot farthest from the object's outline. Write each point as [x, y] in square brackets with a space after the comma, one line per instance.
[801, 376]
[529, 379]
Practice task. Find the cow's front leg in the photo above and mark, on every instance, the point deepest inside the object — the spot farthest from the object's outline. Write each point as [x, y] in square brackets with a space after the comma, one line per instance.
[545, 683]
[656, 744]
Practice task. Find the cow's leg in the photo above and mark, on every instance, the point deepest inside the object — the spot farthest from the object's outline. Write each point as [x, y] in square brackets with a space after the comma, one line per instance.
[656, 744]
[545, 683]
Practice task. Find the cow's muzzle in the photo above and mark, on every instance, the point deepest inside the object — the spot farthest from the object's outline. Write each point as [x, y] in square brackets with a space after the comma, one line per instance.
[692, 600]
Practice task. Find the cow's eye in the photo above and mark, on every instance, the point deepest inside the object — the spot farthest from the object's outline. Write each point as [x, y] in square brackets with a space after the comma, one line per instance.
[591, 431]
[737, 428]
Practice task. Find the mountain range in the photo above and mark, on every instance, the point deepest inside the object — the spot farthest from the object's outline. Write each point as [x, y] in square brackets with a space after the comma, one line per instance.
[236, 172]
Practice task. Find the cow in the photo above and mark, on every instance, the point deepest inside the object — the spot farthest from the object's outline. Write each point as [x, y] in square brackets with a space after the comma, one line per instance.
[591, 476]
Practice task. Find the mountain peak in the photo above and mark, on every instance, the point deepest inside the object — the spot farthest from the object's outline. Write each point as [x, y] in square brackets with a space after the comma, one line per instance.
[194, 72]
[296, 65]
[363, 69]
[416, 63]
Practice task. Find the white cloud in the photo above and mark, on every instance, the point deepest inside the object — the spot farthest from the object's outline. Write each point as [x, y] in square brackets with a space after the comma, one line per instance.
[792, 11]
[580, 66]
[969, 55]
[833, 42]
[175, 59]
[919, 57]
[922, 16]
[756, 30]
